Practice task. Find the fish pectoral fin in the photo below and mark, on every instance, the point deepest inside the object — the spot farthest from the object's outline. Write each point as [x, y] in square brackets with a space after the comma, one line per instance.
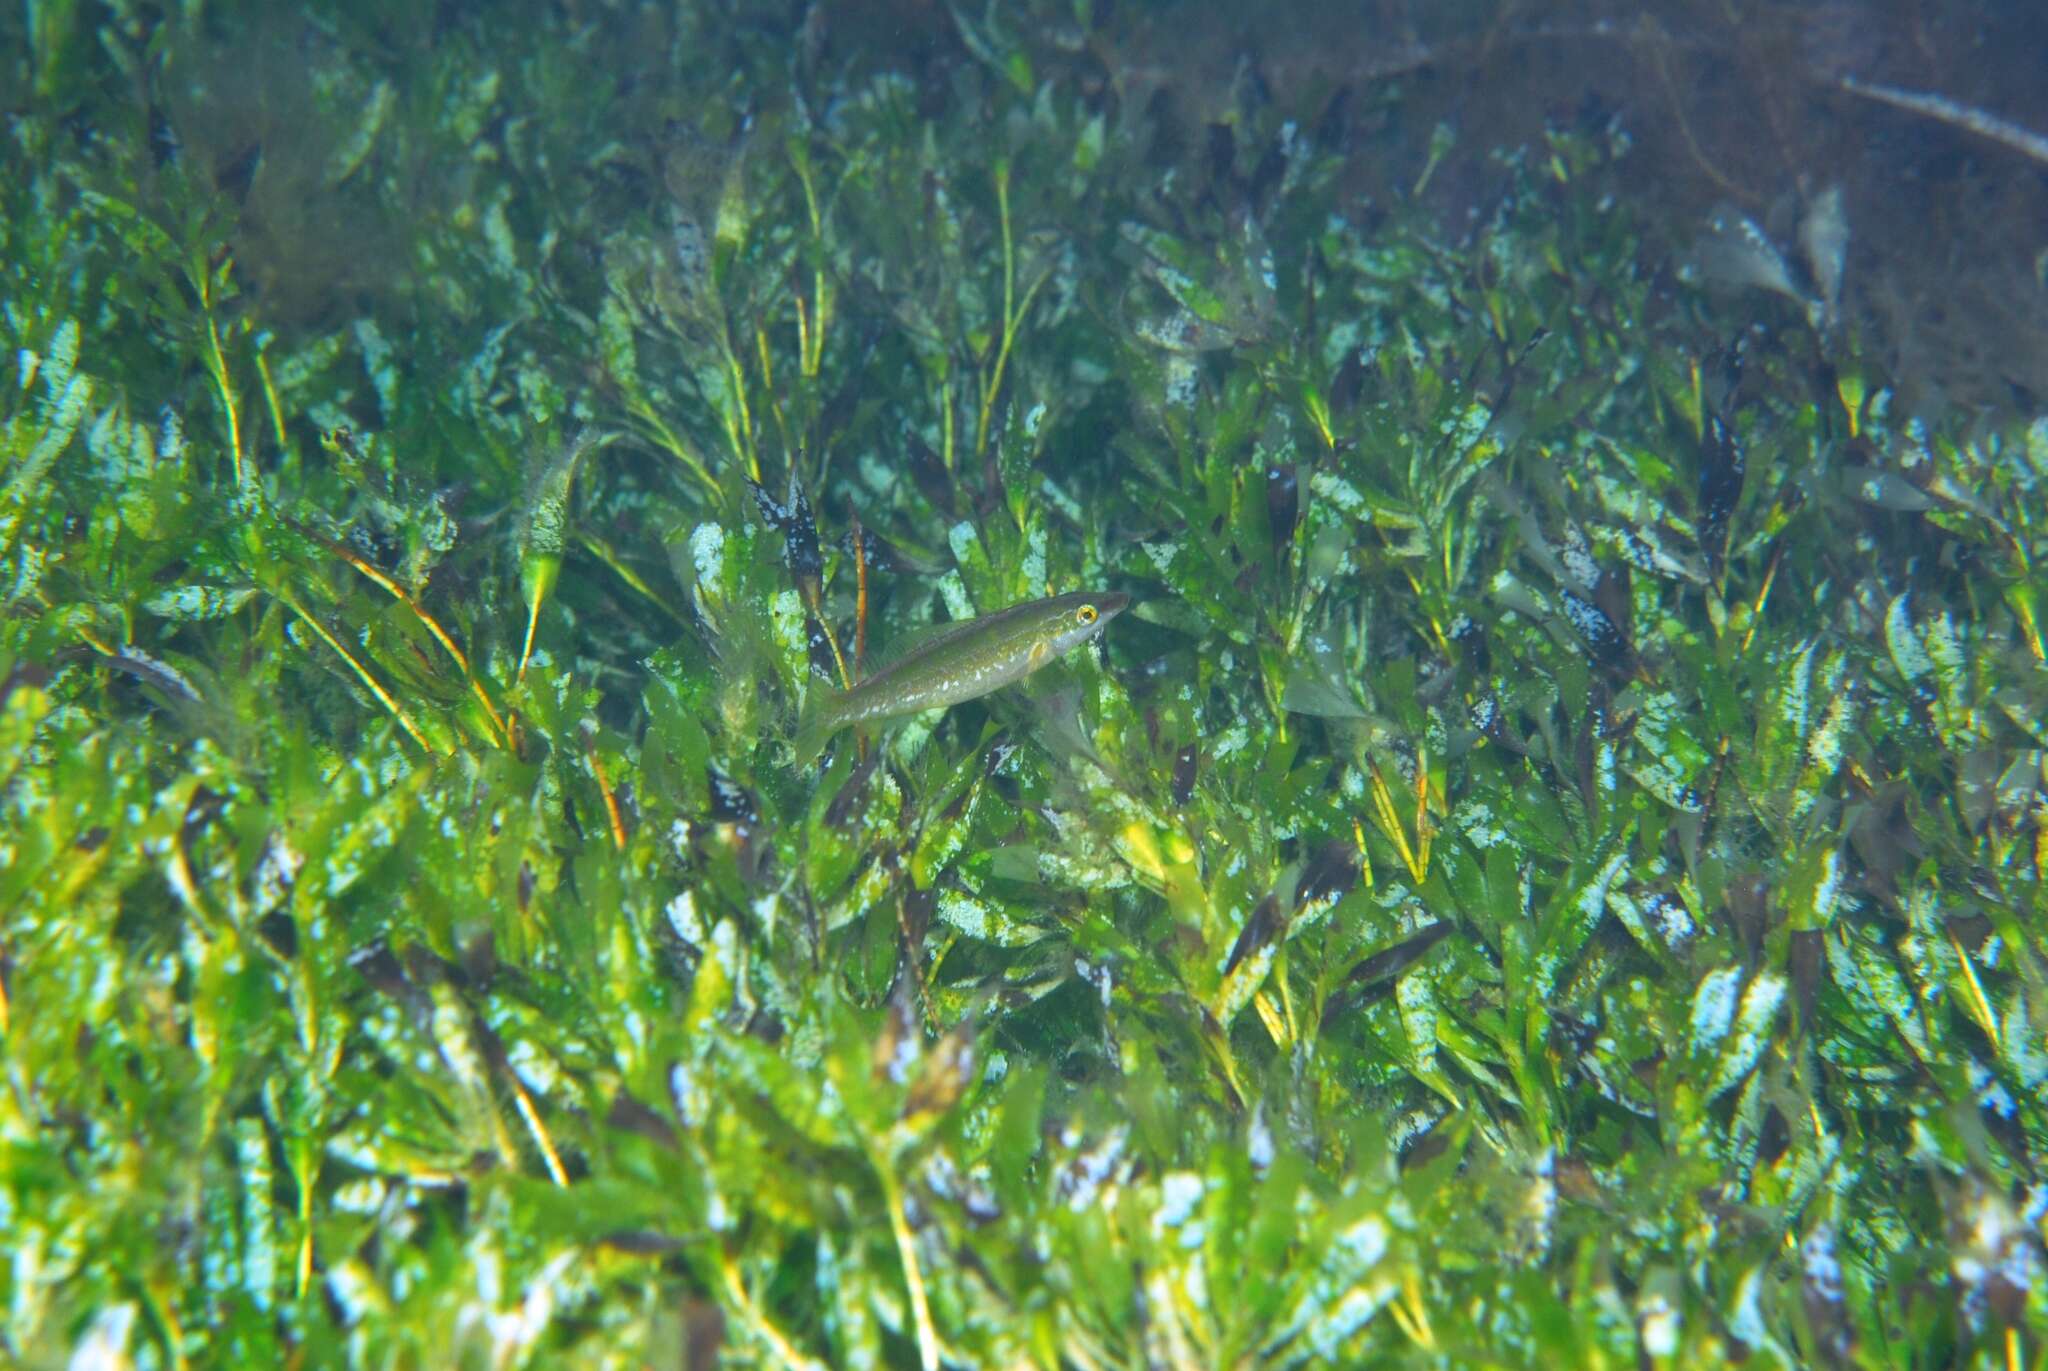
[1041, 653]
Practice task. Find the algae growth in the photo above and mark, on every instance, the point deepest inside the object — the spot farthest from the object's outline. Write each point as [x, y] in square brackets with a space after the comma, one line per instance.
[1548, 871]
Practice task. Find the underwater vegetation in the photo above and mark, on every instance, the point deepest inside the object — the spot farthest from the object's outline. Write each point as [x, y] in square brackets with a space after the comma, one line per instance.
[1512, 830]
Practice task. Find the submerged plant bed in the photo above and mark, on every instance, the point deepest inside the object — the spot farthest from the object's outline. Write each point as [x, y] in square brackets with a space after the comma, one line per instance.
[1547, 869]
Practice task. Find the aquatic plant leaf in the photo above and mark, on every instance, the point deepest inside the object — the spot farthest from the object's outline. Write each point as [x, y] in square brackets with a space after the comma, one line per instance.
[1562, 818]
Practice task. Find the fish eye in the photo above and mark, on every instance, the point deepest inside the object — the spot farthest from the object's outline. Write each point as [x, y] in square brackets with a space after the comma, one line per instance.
[1085, 615]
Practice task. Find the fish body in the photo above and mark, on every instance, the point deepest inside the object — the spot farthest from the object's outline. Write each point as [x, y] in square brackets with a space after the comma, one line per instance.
[961, 662]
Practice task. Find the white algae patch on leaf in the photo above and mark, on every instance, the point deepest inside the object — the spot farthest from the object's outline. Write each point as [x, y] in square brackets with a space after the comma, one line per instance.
[977, 919]
[1751, 1031]
[1713, 1007]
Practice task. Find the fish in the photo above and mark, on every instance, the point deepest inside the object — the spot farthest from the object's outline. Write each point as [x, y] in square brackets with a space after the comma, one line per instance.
[962, 661]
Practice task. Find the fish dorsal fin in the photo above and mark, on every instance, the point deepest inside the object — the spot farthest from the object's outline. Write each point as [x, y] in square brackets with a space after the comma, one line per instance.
[905, 641]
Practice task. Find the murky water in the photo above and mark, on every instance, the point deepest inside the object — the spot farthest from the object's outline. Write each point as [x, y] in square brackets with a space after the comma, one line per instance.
[1759, 105]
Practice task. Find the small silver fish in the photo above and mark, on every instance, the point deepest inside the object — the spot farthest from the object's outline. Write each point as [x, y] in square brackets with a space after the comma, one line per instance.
[963, 662]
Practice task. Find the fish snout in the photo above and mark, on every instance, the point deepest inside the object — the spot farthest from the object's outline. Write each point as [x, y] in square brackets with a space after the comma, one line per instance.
[1111, 603]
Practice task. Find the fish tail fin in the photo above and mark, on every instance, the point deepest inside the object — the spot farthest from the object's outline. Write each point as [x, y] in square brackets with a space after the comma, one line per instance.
[816, 722]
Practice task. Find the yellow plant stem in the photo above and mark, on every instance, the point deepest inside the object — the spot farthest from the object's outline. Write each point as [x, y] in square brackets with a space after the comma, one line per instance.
[230, 405]
[307, 1172]
[1411, 1311]
[814, 359]
[803, 335]
[1425, 830]
[609, 555]
[768, 384]
[1976, 1004]
[1014, 311]
[736, 1291]
[532, 625]
[989, 389]
[1415, 853]
[1756, 609]
[370, 683]
[270, 399]
[1276, 1027]
[669, 439]
[860, 581]
[1698, 402]
[1012, 327]
[946, 422]
[556, 1172]
[838, 657]
[739, 426]
[611, 802]
[913, 1278]
[811, 339]
[433, 626]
